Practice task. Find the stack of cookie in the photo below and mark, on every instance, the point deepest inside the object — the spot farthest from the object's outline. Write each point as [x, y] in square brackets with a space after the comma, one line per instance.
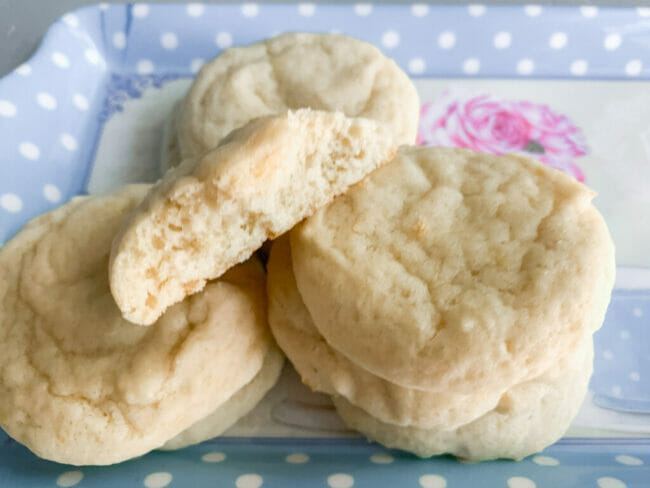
[445, 299]
[448, 302]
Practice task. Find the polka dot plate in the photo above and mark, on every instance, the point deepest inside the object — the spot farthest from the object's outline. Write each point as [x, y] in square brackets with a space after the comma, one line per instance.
[339, 463]
[95, 95]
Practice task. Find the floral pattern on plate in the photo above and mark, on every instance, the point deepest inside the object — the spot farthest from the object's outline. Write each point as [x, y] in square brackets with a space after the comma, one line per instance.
[488, 124]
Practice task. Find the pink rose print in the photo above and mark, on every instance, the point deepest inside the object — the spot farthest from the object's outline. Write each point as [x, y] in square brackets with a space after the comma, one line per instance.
[487, 124]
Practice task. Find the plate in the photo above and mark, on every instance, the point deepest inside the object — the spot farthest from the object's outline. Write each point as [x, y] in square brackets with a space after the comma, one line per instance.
[567, 85]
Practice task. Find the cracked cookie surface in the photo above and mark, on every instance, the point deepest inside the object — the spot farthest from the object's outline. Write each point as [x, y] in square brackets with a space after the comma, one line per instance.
[291, 71]
[81, 385]
[450, 270]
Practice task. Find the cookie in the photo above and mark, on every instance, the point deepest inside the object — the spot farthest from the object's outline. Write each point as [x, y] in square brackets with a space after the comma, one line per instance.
[530, 417]
[325, 370]
[81, 385]
[291, 71]
[446, 260]
[242, 402]
[207, 215]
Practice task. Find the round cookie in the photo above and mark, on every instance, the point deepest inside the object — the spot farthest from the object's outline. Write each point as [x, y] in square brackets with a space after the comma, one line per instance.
[326, 370]
[446, 260]
[207, 215]
[81, 385]
[242, 402]
[292, 71]
[530, 417]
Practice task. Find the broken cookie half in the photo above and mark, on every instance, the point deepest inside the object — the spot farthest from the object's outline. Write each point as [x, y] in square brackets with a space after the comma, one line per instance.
[209, 214]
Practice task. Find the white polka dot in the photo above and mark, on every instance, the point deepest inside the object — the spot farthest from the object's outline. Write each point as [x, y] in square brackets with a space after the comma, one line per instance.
[629, 460]
[11, 202]
[213, 457]
[29, 150]
[297, 458]
[169, 41]
[24, 70]
[223, 40]
[417, 66]
[93, 56]
[249, 481]
[607, 482]
[520, 482]
[69, 142]
[250, 9]
[589, 11]
[579, 67]
[196, 64]
[71, 20]
[637, 312]
[45, 100]
[471, 66]
[140, 10]
[7, 109]
[145, 67]
[60, 60]
[635, 376]
[195, 9]
[558, 40]
[390, 39]
[419, 9]
[51, 193]
[363, 9]
[381, 458]
[158, 480]
[69, 478]
[306, 9]
[545, 461]
[80, 101]
[616, 391]
[446, 40]
[532, 10]
[340, 480]
[624, 334]
[502, 40]
[612, 41]
[643, 11]
[476, 10]
[525, 66]
[119, 40]
[432, 481]
[607, 354]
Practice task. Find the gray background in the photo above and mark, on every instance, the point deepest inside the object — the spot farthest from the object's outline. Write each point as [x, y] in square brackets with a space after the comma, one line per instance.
[23, 22]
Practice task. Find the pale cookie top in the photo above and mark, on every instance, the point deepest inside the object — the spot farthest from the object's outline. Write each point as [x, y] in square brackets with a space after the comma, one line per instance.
[291, 71]
[451, 270]
[207, 215]
[79, 384]
[324, 369]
